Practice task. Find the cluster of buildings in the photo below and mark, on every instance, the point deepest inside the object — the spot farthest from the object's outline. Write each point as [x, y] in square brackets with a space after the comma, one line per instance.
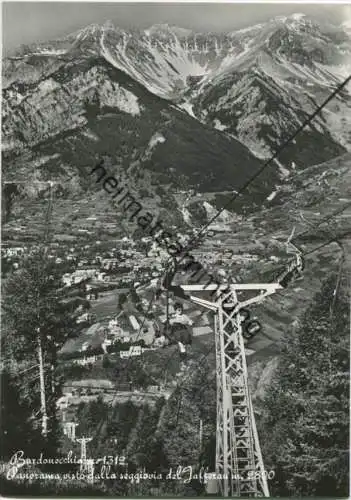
[87, 360]
[9, 252]
[126, 262]
[134, 350]
[114, 266]
[125, 328]
[102, 337]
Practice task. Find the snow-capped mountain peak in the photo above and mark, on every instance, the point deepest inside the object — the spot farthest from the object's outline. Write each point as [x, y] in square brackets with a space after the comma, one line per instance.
[298, 16]
[166, 29]
[109, 25]
[91, 29]
[265, 77]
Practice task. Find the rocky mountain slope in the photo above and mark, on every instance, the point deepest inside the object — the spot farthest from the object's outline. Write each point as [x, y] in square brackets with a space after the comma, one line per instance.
[173, 110]
[257, 84]
[286, 68]
[87, 108]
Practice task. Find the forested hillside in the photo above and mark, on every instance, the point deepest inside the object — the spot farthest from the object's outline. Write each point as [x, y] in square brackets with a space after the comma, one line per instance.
[305, 424]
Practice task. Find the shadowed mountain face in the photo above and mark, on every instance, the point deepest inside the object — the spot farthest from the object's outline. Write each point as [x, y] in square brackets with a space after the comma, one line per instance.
[286, 68]
[87, 108]
[176, 110]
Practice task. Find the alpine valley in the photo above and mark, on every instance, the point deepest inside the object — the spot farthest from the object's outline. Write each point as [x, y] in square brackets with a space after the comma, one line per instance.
[185, 119]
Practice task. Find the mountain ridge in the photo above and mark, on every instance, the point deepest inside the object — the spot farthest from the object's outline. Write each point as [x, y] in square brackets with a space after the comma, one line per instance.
[200, 73]
[91, 93]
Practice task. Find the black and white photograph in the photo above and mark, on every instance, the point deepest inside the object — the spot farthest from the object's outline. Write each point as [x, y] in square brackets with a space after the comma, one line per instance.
[175, 259]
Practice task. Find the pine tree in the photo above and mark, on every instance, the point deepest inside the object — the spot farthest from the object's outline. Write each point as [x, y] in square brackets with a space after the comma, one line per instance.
[33, 301]
[305, 427]
[34, 309]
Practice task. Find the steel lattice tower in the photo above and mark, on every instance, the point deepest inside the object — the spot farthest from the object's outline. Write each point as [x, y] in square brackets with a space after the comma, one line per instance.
[239, 463]
[85, 464]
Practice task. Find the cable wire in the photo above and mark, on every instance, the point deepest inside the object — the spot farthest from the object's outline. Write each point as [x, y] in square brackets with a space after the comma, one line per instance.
[308, 120]
[199, 364]
[259, 171]
[325, 219]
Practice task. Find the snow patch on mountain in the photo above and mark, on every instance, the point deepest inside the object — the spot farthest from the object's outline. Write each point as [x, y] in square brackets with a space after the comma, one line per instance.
[124, 64]
[188, 108]
[156, 139]
[44, 159]
[10, 145]
[161, 63]
[48, 85]
[90, 135]
[246, 30]
[294, 20]
[272, 196]
[88, 31]
[284, 172]
[342, 71]
[218, 125]
[160, 29]
[186, 215]
[298, 16]
[176, 62]
[49, 52]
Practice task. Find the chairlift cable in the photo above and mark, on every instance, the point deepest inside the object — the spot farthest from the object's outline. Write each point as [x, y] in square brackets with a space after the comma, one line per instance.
[200, 363]
[264, 166]
[308, 120]
[301, 253]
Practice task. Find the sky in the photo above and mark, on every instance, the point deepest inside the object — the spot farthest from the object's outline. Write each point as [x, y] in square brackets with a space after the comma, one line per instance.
[28, 22]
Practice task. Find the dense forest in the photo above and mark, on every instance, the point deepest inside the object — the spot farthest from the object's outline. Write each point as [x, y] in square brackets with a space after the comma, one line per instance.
[305, 424]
